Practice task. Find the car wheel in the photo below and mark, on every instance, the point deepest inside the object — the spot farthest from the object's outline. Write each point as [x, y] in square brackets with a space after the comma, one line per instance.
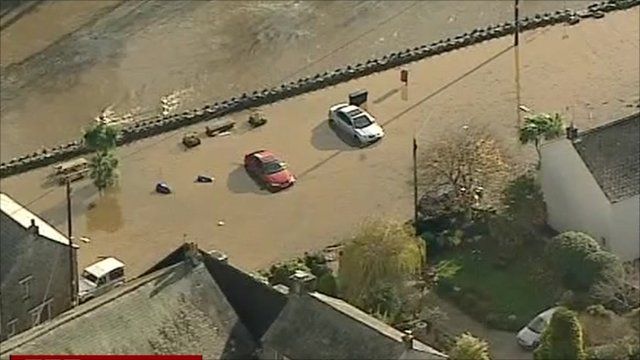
[357, 141]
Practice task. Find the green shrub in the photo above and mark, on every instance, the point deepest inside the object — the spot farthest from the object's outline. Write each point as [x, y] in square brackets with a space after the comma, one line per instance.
[326, 284]
[577, 258]
[562, 339]
[469, 347]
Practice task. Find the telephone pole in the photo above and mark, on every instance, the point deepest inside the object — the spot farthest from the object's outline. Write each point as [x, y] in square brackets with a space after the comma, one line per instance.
[415, 186]
[516, 43]
[72, 255]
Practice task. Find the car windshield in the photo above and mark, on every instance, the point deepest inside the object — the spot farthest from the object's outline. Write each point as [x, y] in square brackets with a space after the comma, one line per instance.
[537, 325]
[361, 121]
[90, 277]
[273, 167]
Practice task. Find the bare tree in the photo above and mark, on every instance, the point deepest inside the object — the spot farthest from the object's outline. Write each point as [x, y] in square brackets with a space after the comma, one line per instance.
[469, 163]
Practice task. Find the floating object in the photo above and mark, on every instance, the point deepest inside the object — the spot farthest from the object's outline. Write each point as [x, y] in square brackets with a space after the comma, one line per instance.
[191, 140]
[257, 119]
[163, 188]
[204, 179]
[219, 127]
[358, 98]
[220, 223]
[85, 239]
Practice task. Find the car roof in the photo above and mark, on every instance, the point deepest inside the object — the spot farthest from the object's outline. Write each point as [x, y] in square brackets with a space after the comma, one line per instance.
[547, 314]
[104, 266]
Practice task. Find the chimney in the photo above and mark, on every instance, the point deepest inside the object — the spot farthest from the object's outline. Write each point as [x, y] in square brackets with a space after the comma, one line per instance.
[301, 282]
[407, 339]
[571, 132]
[34, 228]
[191, 253]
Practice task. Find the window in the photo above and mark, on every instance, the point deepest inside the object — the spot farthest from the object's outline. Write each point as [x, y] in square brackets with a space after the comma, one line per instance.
[345, 119]
[116, 274]
[41, 313]
[26, 287]
[11, 327]
[102, 281]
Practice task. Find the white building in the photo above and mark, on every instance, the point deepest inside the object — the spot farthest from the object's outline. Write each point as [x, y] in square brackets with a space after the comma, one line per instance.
[591, 183]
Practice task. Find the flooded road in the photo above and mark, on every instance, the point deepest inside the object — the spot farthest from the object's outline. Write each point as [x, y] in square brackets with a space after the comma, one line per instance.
[63, 62]
[590, 72]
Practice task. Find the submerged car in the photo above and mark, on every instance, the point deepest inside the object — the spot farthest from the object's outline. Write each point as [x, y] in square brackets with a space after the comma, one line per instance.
[356, 123]
[99, 278]
[529, 336]
[268, 170]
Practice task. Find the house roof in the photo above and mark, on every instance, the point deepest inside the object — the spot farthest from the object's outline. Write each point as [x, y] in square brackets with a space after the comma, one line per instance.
[24, 217]
[612, 154]
[212, 308]
[321, 327]
[104, 266]
[177, 310]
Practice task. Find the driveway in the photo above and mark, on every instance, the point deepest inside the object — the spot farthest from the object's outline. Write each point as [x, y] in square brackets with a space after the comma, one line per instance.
[590, 72]
[502, 344]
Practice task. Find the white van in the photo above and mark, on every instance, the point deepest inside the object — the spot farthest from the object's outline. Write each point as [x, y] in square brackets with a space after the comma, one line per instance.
[99, 278]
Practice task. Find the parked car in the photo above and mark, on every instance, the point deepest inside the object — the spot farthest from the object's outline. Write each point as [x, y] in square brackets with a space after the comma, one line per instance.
[268, 170]
[356, 123]
[529, 336]
[99, 278]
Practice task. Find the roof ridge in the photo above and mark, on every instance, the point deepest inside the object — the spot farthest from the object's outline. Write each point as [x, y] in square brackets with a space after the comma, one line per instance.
[75, 312]
[608, 125]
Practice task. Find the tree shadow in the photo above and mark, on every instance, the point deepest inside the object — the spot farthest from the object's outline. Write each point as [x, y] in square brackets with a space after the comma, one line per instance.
[326, 137]
[240, 182]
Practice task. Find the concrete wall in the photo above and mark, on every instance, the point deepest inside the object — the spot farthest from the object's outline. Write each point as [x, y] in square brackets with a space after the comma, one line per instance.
[311, 83]
[625, 229]
[574, 199]
[23, 253]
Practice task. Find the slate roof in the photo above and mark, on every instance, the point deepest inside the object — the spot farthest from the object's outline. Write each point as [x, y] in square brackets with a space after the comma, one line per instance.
[217, 310]
[612, 154]
[178, 310]
[316, 326]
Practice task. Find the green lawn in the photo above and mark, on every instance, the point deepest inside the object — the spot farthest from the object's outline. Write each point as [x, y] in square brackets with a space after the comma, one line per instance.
[491, 293]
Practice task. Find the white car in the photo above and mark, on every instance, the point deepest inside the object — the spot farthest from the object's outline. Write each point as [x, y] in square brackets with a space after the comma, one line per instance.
[529, 336]
[99, 278]
[356, 123]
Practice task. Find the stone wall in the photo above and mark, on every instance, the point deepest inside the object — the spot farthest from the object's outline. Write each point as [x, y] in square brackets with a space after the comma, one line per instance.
[306, 84]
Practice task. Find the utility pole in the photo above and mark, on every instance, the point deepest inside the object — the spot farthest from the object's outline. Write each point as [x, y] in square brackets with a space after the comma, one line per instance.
[415, 186]
[516, 43]
[72, 257]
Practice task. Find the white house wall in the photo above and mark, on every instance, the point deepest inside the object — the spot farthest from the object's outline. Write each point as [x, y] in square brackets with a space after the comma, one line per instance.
[574, 199]
[625, 228]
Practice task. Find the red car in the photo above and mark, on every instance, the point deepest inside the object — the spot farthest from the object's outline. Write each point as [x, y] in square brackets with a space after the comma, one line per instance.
[266, 168]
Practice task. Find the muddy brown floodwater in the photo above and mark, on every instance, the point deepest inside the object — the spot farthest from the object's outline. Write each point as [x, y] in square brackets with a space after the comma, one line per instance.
[589, 72]
[63, 62]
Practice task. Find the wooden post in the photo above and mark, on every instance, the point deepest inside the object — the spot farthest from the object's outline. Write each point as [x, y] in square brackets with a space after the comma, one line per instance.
[415, 186]
[516, 43]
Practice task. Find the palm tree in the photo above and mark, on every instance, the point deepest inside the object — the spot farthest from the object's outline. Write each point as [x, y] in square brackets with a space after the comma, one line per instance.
[103, 170]
[540, 126]
[101, 137]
